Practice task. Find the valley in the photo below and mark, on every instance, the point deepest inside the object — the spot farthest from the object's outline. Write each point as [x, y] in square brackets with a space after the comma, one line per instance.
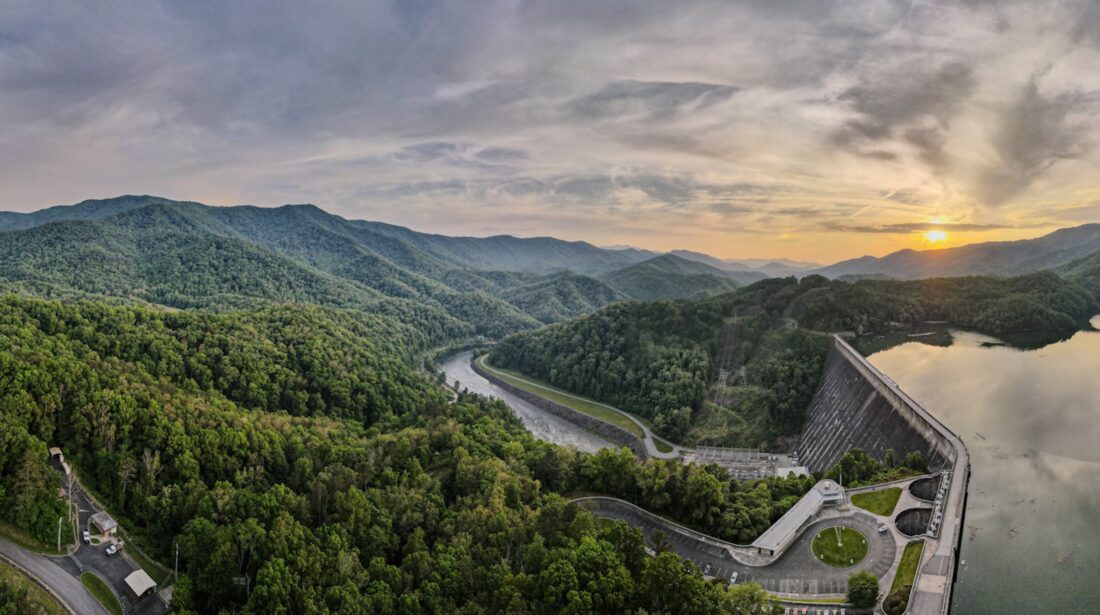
[224, 377]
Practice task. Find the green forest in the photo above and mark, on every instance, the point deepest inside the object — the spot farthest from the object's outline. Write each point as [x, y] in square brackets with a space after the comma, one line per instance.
[303, 467]
[243, 383]
[658, 359]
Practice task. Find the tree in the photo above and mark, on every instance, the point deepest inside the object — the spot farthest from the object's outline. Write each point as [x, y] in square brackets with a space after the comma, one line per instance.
[863, 589]
[659, 542]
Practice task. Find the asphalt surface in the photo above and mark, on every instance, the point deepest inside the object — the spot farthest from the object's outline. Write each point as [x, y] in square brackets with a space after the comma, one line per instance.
[797, 571]
[114, 569]
[47, 572]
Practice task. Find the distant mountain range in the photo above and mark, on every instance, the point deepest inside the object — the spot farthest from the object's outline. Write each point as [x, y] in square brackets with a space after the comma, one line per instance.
[1001, 258]
[185, 254]
[777, 267]
[671, 277]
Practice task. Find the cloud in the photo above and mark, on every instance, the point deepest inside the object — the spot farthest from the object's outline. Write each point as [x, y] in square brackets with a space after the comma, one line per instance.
[914, 227]
[908, 105]
[459, 117]
[648, 100]
[496, 159]
[1036, 132]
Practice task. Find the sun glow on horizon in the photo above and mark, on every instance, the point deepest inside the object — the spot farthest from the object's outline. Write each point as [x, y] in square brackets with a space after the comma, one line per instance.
[935, 236]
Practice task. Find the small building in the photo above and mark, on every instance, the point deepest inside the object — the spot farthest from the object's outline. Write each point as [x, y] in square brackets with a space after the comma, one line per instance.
[783, 532]
[105, 523]
[56, 452]
[139, 584]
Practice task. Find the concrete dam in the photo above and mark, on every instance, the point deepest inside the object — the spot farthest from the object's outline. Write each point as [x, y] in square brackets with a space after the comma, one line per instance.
[858, 407]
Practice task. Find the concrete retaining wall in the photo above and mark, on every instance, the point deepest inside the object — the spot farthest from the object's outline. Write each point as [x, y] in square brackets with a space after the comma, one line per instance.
[613, 433]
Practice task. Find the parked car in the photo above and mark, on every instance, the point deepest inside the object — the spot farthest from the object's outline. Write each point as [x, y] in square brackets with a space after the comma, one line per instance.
[733, 578]
[87, 537]
[882, 529]
[111, 550]
[706, 569]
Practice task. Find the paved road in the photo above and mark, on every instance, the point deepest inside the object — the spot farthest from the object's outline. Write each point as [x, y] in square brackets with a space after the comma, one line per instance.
[797, 571]
[650, 437]
[46, 571]
[93, 557]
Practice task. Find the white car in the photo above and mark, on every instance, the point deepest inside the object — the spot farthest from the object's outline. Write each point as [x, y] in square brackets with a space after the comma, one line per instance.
[733, 578]
[111, 550]
[706, 570]
[87, 537]
[882, 529]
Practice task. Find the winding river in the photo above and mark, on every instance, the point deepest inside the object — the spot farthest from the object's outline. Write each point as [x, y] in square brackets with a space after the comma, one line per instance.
[541, 424]
[1031, 421]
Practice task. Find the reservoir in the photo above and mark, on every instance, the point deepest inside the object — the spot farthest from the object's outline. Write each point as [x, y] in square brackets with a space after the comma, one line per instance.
[1031, 421]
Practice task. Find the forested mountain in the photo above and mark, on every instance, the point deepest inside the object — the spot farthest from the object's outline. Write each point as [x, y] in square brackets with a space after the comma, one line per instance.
[295, 448]
[421, 252]
[671, 277]
[561, 296]
[188, 255]
[1084, 271]
[660, 359]
[778, 267]
[1002, 258]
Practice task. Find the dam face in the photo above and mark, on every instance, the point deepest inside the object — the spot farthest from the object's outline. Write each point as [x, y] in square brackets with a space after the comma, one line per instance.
[854, 408]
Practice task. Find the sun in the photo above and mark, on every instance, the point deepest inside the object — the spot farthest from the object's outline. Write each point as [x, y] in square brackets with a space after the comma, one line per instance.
[935, 236]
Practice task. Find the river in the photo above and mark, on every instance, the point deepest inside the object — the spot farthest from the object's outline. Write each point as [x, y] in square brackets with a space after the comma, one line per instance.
[541, 424]
[1031, 421]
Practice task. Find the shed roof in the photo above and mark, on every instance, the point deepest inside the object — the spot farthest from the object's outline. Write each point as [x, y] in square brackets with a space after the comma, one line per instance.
[140, 582]
[104, 521]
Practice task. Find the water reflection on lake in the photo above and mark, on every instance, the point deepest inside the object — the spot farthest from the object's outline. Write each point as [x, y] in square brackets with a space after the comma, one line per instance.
[1031, 420]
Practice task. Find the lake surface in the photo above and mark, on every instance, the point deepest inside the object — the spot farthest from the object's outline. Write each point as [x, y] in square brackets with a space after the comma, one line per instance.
[1031, 421]
[541, 424]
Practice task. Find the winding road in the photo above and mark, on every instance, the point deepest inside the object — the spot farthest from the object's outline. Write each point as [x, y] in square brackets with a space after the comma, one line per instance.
[46, 572]
[796, 573]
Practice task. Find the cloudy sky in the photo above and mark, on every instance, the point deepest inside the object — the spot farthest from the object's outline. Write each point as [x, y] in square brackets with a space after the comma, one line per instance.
[816, 130]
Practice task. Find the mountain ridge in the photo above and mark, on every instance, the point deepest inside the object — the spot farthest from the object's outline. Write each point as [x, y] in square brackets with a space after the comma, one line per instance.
[998, 258]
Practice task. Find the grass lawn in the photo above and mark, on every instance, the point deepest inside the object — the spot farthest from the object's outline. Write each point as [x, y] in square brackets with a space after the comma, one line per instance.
[36, 601]
[31, 543]
[907, 569]
[851, 550]
[880, 502]
[661, 445]
[101, 592]
[544, 390]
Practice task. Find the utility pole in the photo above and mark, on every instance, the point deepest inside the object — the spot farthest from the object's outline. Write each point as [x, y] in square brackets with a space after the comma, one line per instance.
[177, 572]
[59, 533]
[74, 520]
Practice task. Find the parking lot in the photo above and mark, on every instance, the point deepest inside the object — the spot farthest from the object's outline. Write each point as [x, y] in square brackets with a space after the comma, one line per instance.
[93, 557]
[797, 571]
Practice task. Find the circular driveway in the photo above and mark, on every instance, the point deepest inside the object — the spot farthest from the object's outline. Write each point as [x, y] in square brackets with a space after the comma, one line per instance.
[797, 571]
